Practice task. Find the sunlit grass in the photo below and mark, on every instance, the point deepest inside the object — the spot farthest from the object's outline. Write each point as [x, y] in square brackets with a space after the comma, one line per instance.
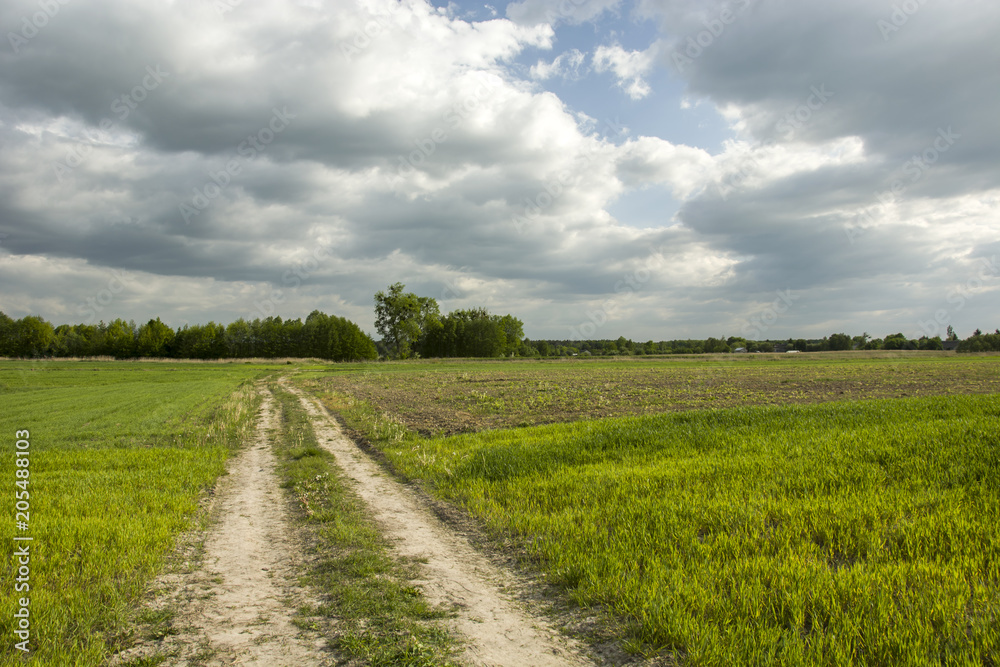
[119, 456]
[834, 534]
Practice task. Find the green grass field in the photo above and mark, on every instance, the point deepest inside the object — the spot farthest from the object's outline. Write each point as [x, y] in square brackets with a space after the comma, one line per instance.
[119, 455]
[844, 533]
[845, 529]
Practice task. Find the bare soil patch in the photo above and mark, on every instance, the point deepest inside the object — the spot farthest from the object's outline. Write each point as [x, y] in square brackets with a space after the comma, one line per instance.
[444, 399]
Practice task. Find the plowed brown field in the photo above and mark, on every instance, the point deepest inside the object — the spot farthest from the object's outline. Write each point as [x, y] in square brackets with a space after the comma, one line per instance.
[440, 398]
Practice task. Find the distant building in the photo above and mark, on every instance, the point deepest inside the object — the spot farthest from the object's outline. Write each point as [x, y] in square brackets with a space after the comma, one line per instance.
[740, 350]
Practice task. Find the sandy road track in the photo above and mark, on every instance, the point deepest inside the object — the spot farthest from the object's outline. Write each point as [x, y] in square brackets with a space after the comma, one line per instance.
[236, 608]
[498, 630]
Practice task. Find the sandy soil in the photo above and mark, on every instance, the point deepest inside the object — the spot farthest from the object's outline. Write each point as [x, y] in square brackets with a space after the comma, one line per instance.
[498, 630]
[237, 604]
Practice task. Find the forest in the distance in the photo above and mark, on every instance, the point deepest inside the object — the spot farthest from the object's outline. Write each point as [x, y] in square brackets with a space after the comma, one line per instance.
[411, 326]
[465, 333]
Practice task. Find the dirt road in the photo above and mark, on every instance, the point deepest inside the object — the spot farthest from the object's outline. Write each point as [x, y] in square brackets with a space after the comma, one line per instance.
[235, 603]
[498, 630]
[236, 608]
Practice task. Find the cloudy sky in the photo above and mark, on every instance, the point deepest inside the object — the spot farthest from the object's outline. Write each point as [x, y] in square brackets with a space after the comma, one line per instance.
[650, 168]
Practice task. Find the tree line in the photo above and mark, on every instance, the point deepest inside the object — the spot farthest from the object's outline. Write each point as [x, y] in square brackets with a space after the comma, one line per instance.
[321, 335]
[977, 342]
[411, 326]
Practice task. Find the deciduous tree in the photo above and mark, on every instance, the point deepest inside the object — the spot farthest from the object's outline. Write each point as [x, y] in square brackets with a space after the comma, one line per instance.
[403, 317]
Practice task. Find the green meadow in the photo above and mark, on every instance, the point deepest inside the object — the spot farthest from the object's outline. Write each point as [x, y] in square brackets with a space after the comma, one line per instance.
[119, 454]
[846, 533]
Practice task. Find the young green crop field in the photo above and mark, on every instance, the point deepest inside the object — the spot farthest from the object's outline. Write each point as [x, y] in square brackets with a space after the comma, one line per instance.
[119, 454]
[829, 533]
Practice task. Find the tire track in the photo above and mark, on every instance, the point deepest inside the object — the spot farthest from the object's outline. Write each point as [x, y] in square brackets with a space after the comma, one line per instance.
[237, 607]
[499, 632]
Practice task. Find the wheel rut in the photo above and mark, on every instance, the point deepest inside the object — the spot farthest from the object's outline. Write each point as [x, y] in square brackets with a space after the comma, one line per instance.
[497, 629]
[236, 606]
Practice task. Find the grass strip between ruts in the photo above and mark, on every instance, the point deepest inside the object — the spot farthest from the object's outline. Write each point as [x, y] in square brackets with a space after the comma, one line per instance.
[375, 614]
